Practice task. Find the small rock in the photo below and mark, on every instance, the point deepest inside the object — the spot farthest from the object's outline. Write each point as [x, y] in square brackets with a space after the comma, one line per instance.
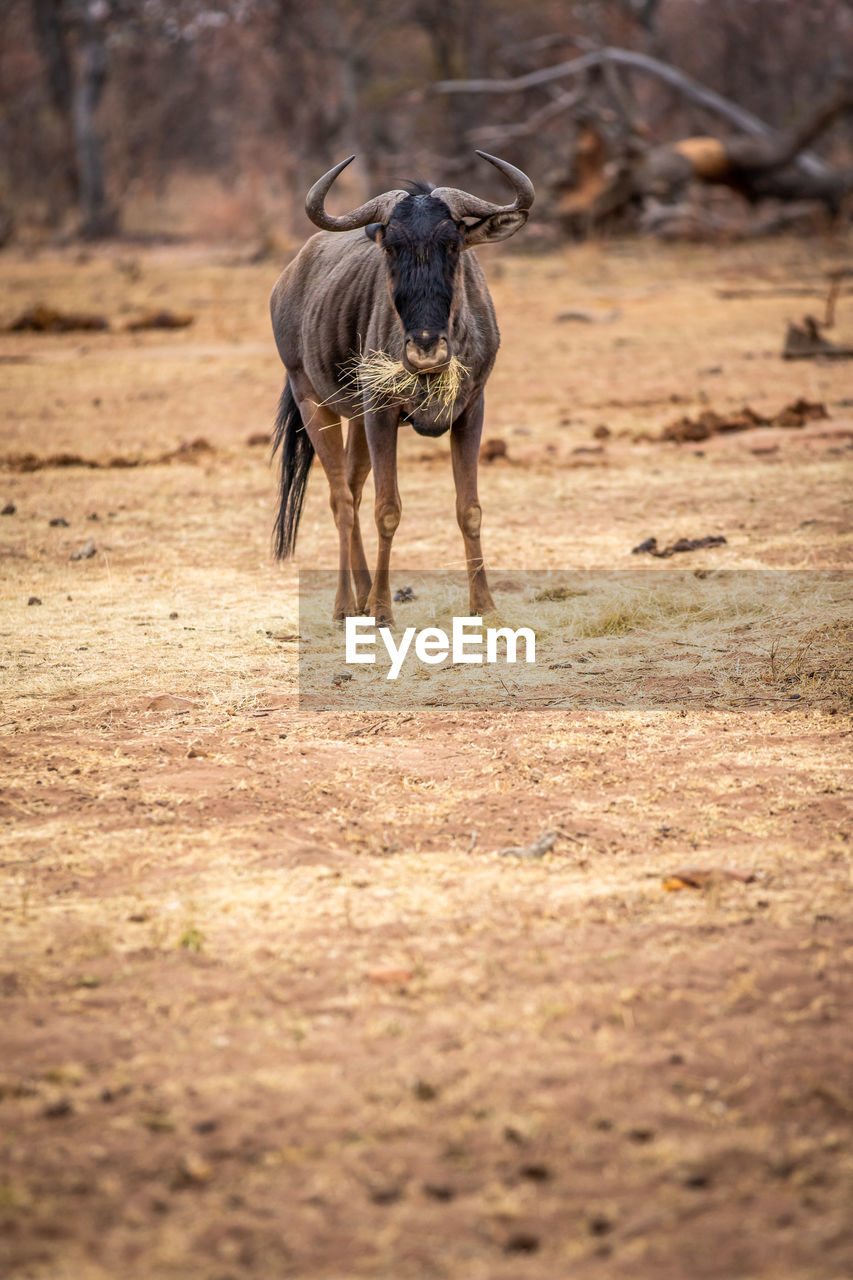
[522, 1242]
[386, 1193]
[192, 1170]
[9, 509]
[538, 849]
[85, 552]
[588, 317]
[34, 600]
[341, 677]
[58, 1108]
[599, 1225]
[58, 522]
[439, 1191]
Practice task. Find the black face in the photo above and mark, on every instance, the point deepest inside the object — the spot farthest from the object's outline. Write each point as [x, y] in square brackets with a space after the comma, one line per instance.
[422, 245]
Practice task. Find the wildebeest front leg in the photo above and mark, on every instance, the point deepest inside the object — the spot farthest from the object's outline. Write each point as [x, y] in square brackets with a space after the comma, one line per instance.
[324, 429]
[358, 469]
[381, 430]
[464, 452]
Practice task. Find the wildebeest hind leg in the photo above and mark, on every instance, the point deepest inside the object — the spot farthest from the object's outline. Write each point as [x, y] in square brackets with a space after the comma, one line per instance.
[358, 469]
[464, 452]
[324, 429]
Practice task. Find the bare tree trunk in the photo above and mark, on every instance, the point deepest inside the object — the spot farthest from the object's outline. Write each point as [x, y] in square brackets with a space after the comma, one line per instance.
[99, 217]
[50, 36]
[76, 98]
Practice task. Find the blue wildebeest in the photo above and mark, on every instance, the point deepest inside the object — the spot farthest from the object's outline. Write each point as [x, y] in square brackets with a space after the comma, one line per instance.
[409, 290]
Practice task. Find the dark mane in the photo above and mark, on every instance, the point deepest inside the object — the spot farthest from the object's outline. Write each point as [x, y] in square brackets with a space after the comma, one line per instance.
[417, 187]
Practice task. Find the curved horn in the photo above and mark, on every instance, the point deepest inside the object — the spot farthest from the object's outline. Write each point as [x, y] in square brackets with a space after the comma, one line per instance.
[463, 205]
[376, 210]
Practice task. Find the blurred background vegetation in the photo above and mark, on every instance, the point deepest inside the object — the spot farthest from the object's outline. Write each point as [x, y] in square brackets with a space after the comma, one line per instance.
[150, 118]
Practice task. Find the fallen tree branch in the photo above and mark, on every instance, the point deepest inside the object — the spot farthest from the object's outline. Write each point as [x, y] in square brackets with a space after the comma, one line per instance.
[501, 132]
[691, 89]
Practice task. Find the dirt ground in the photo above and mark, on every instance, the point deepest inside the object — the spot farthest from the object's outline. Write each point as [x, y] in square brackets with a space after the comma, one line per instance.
[274, 1001]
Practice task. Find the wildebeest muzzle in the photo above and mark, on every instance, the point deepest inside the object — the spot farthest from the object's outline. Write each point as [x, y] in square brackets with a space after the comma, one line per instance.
[426, 352]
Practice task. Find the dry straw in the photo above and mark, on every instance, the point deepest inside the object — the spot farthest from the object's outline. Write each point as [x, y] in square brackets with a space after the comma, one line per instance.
[381, 379]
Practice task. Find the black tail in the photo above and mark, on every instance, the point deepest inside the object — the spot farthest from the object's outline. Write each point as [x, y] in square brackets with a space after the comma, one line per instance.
[297, 454]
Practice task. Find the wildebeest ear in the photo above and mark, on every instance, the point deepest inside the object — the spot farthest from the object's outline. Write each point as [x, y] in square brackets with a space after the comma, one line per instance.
[375, 231]
[499, 226]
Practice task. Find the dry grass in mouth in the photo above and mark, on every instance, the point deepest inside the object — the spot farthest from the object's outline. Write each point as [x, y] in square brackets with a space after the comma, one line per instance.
[381, 378]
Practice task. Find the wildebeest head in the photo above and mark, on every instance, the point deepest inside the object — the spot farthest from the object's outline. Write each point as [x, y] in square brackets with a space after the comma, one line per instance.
[423, 231]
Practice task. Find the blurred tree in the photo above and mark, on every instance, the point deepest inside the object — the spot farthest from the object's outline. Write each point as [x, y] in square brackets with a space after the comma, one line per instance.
[110, 103]
[72, 40]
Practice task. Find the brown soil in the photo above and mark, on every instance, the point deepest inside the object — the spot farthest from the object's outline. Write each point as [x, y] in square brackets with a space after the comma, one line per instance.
[275, 1003]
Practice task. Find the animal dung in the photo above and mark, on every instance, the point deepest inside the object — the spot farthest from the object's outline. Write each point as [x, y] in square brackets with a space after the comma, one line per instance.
[492, 449]
[650, 545]
[381, 379]
[45, 319]
[162, 319]
[710, 423]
